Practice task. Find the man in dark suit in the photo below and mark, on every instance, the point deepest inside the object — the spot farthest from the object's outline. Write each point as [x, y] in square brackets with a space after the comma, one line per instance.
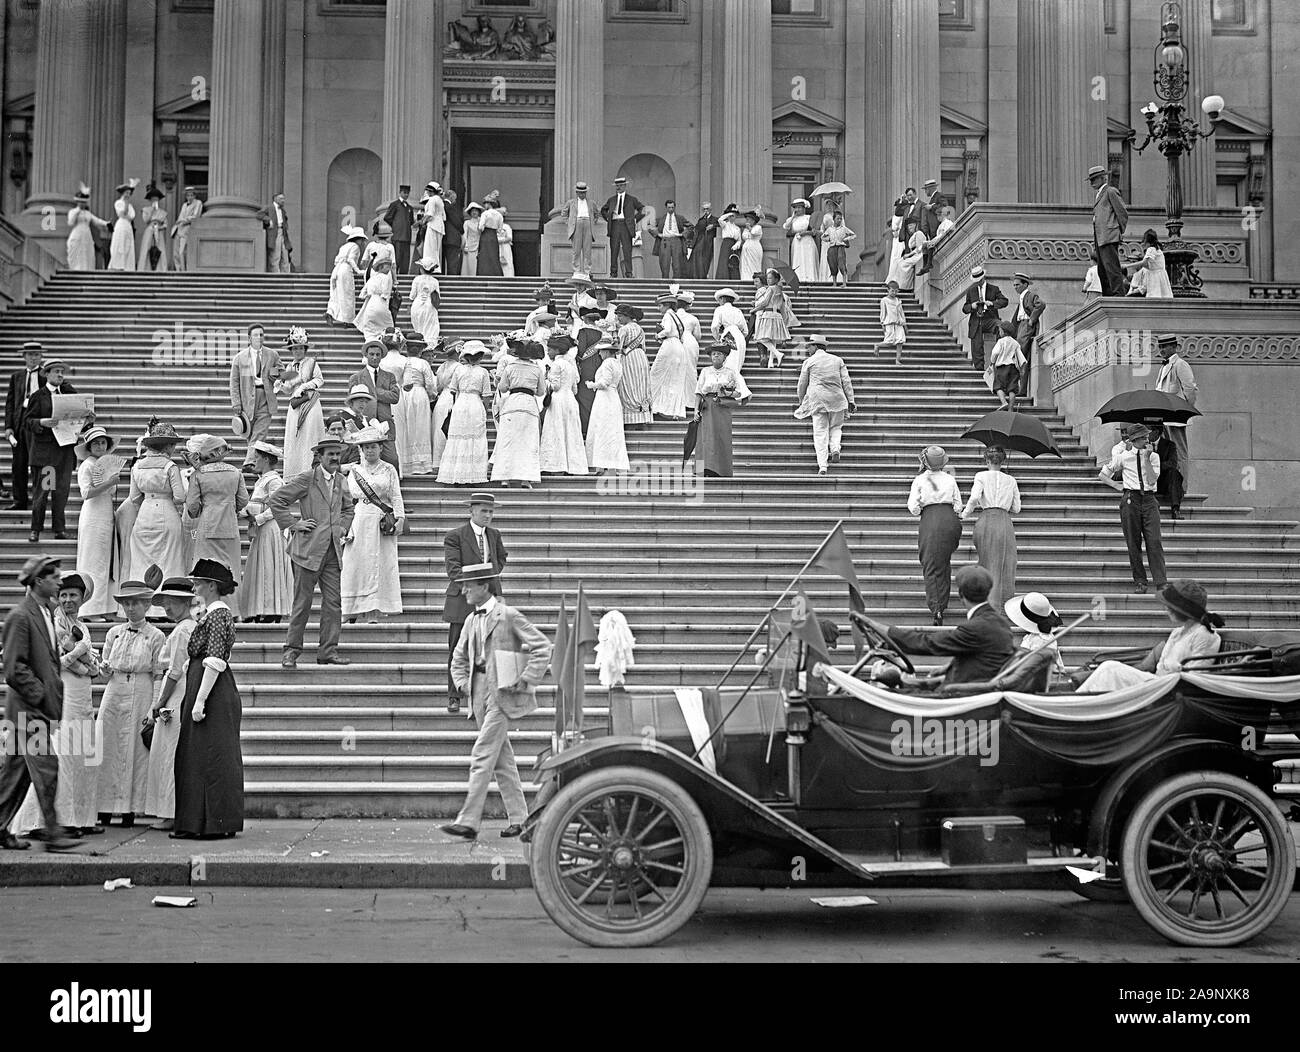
[983, 301]
[22, 385]
[279, 248]
[933, 203]
[316, 549]
[51, 464]
[621, 213]
[385, 391]
[703, 235]
[1025, 315]
[478, 541]
[911, 209]
[34, 699]
[453, 234]
[979, 647]
[400, 215]
[670, 235]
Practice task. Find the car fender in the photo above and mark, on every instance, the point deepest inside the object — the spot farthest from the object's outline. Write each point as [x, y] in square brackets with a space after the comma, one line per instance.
[729, 810]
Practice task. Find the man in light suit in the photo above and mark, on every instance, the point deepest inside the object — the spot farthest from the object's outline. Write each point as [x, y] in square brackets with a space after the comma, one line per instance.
[983, 301]
[478, 541]
[35, 700]
[825, 393]
[1026, 316]
[1109, 219]
[579, 226]
[279, 249]
[316, 549]
[621, 213]
[1176, 378]
[400, 215]
[253, 373]
[498, 642]
[385, 391]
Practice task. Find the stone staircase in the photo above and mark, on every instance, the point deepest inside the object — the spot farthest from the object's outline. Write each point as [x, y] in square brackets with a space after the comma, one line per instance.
[693, 565]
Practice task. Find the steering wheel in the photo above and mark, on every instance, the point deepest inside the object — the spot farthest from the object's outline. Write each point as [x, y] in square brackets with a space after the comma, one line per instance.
[888, 649]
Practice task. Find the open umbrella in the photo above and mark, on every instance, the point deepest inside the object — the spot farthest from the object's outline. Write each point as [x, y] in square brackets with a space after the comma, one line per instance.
[788, 276]
[832, 189]
[1145, 406]
[1019, 431]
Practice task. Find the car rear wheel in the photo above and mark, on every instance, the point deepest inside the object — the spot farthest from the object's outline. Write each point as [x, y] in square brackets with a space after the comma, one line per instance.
[1208, 859]
[621, 857]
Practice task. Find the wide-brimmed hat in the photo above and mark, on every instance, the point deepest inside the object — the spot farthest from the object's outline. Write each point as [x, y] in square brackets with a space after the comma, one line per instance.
[482, 498]
[1096, 170]
[722, 294]
[473, 349]
[376, 431]
[473, 205]
[1032, 611]
[427, 265]
[606, 347]
[477, 572]
[35, 567]
[580, 279]
[82, 194]
[933, 458]
[217, 572]
[610, 293]
[802, 201]
[560, 341]
[358, 391]
[382, 229]
[666, 298]
[82, 448]
[81, 581]
[352, 233]
[130, 184]
[544, 318]
[686, 296]
[415, 343]
[630, 311]
[152, 193]
[1188, 598]
[265, 448]
[328, 442]
[451, 349]
[297, 336]
[32, 347]
[529, 350]
[587, 312]
[133, 590]
[1135, 431]
[174, 588]
[723, 349]
[161, 435]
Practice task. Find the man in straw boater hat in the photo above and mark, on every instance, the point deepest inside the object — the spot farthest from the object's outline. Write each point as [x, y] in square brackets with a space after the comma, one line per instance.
[498, 662]
[982, 303]
[1109, 220]
[316, 549]
[1134, 470]
[1176, 378]
[35, 700]
[579, 217]
[478, 541]
[383, 388]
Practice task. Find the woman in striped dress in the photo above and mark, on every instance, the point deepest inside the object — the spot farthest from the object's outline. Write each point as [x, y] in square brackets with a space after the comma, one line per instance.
[634, 387]
[996, 496]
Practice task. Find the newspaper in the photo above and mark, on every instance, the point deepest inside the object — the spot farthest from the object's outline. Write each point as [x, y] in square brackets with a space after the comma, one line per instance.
[71, 413]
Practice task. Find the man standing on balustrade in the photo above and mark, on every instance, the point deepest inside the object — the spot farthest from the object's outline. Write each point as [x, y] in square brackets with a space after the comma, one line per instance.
[1109, 218]
[579, 217]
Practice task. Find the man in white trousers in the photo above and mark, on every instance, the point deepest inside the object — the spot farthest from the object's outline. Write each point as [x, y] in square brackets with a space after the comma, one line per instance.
[825, 394]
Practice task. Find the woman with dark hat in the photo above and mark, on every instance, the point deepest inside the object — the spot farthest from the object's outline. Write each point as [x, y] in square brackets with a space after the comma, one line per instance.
[1194, 635]
[176, 597]
[97, 479]
[209, 763]
[122, 251]
[154, 238]
[728, 246]
[465, 456]
[634, 387]
[522, 383]
[606, 445]
[267, 590]
[936, 499]
[719, 390]
[489, 241]
[156, 487]
[300, 385]
[216, 498]
[562, 451]
[995, 495]
[449, 353]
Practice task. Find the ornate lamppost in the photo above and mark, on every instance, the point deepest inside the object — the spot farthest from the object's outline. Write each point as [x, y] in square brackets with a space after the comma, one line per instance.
[1174, 135]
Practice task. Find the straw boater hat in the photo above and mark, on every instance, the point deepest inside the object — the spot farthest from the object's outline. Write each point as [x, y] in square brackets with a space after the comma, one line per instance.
[174, 588]
[1188, 598]
[1033, 612]
[604, 347]
[133, 590]
[933, 458]
[82, 448]
[477, 572]
[580, 279]
[472, 206]
[55, 363]
[1023, 277]
[35, 567]
[359, 391]
[81, 581]
[161, 435]
[265, 448]
[217, 572]
[977, 273]
[727, 293]
[486, 499]
[1096, 170]
[327, 443]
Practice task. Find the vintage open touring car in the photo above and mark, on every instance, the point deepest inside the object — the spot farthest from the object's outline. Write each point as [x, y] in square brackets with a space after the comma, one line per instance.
[822, 776]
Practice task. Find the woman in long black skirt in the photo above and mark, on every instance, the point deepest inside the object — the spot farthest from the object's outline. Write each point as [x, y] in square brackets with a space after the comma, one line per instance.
[718, 391]
[209, 764]
[936, 498]
[489, 237]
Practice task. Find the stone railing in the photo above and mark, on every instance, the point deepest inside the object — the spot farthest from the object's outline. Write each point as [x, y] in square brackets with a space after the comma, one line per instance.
[24, 266]
[1275, 291]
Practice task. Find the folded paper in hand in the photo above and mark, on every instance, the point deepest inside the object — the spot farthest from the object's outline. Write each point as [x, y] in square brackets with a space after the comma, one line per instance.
[510, 666]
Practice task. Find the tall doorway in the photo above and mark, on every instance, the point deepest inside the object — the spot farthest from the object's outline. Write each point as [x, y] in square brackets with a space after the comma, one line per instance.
[519, 164]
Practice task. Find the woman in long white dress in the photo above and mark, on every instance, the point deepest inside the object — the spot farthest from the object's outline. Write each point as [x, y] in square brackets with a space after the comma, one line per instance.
[394, 362]
[693, 337]
[672, 372]
[97, 479]
[426, 295]
[1151, 268]
[803, 241]
[465, 456]
[728, 326]
[81, 242]
[606, 445]
[414, 410]
[910, 261]
[300, 385]
[507, 238]
[522, 385]
[154, 234]
[369, 580]
[446, 398]
[751, 249]
[266, 591]
[121, 254]
[342, 309]
[156, 482]
[374, 316]
[563, 451]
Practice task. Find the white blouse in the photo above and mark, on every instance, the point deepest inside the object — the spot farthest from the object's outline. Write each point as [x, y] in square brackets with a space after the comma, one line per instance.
[993, 489]
[933, 487]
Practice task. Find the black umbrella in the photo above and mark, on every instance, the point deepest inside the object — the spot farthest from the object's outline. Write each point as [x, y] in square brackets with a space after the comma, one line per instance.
[692, 434]
[788, 276]
[1019, 431]
[1145, 406]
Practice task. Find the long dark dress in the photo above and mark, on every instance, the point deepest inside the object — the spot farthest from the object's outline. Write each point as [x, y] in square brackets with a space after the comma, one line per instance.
[713, 440]
[489, 253]
[939, 536]
[588, 364]
[209, 764]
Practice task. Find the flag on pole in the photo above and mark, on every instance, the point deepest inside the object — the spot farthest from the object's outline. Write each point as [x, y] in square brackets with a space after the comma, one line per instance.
[561, 645]
[836, 558]
[579, 649]
[807, 628]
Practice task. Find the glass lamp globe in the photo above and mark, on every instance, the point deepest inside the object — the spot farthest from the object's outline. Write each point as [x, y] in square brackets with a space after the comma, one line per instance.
[1212, 106]
[1173, 56]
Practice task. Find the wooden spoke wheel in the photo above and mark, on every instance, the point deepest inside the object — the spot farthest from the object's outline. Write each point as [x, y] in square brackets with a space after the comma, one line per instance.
[621, 857]
[1208, 859]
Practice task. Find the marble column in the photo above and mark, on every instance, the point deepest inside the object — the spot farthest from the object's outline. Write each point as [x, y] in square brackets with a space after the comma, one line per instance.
[273, 71]
[412, 73]
[230, 235]
[746, 93]
[1199, 180]
[108, 112]
[1062, 107]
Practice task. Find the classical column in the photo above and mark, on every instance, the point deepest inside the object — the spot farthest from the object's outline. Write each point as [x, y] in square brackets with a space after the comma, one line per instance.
[579, 96]
[1062, 99]
[412, 71]
[108, 112]
[1199, 180]
[65, 52]
[746, 103]
[230, 236]
[273, 70]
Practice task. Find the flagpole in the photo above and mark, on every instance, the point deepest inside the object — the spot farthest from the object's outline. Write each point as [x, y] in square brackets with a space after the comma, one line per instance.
[743, 694]
[772, 609]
